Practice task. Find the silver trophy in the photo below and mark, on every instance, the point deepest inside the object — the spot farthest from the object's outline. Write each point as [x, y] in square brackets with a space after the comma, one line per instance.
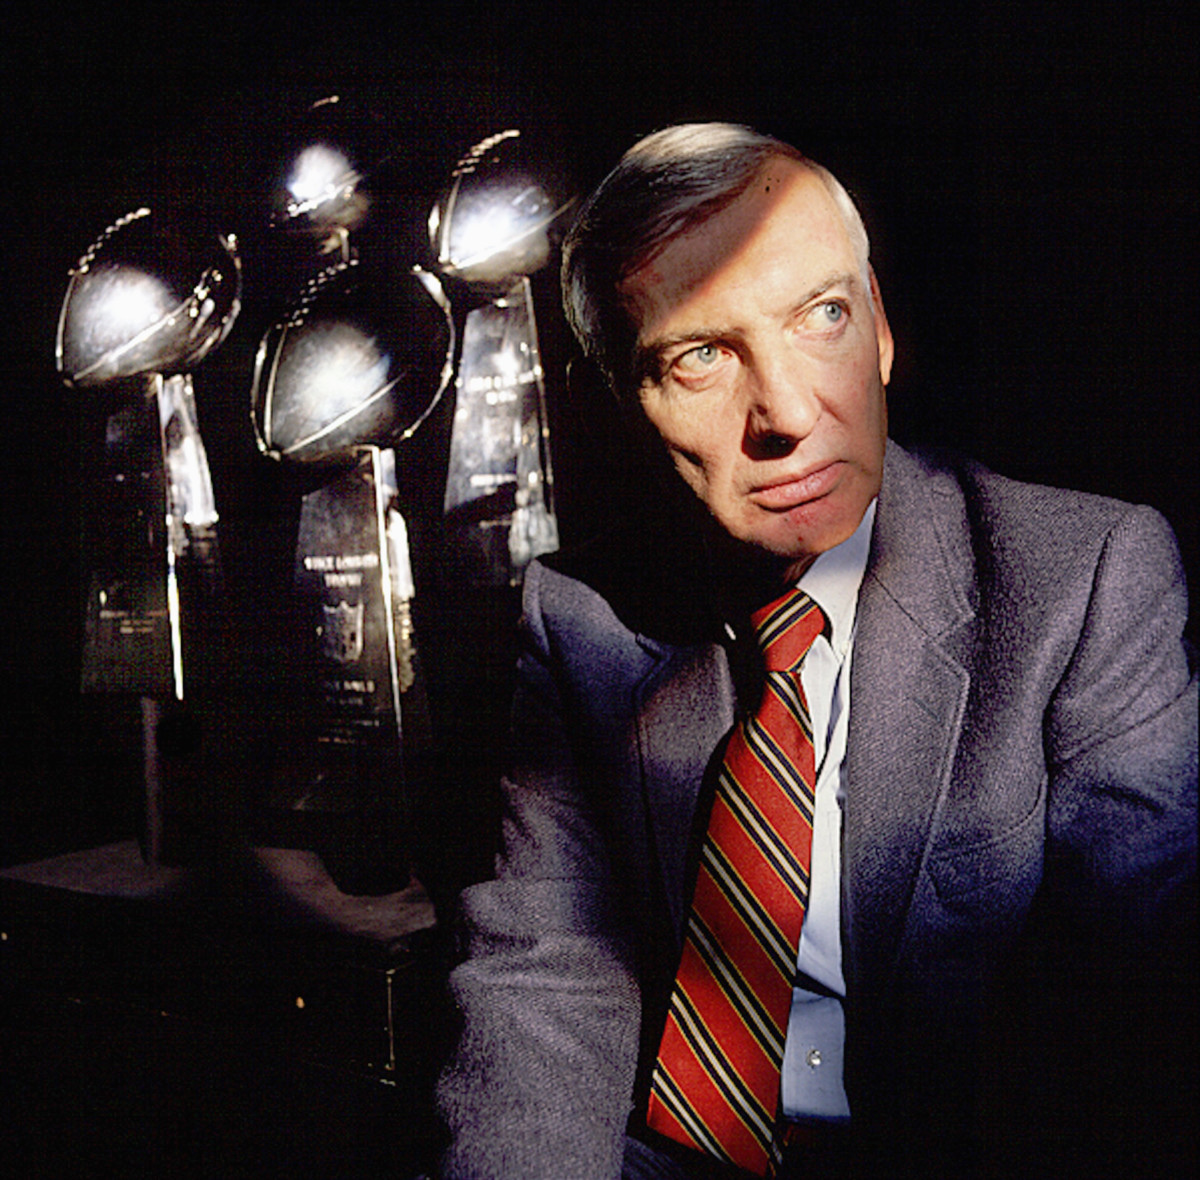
[349, 374]
[492, 227]
[142, 308]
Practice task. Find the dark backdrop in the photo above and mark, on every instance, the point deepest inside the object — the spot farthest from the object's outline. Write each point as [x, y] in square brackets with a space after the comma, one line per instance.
[1027, 176]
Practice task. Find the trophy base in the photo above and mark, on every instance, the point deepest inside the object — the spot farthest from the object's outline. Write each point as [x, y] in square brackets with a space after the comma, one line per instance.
[363, 852]
[346, 805]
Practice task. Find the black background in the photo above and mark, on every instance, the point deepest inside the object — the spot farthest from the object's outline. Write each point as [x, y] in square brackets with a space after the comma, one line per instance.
[1026, 174]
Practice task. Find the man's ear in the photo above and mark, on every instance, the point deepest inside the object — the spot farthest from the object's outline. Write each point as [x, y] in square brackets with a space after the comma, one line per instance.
[883, 332]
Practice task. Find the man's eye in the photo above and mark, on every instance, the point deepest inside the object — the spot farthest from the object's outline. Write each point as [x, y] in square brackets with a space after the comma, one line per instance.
[703, 356]
[823, 318]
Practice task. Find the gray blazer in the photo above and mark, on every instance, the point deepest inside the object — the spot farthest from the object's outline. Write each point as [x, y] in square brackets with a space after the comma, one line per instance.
[1021, 760]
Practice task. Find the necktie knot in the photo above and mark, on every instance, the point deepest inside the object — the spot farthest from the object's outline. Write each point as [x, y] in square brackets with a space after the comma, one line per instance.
[787, 628]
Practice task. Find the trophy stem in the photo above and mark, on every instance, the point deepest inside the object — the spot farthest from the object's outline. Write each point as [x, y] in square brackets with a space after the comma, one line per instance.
[498, 503]
[153, 819]
[338, 778]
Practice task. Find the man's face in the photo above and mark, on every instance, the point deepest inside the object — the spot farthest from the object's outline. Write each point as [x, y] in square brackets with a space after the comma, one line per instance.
[765, 361]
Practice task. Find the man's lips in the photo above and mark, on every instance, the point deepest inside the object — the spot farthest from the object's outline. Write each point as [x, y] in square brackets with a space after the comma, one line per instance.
[788, 492]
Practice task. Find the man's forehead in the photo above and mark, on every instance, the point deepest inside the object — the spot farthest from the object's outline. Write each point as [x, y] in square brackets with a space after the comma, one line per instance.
[785, 197]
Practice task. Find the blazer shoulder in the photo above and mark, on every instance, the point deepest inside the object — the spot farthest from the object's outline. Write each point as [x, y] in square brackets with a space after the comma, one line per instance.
[956, 542]
[559, 599]
[1032, 532]
[951, 477]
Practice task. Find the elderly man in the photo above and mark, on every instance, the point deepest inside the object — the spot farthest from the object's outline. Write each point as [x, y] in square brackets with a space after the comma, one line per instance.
[827, 772]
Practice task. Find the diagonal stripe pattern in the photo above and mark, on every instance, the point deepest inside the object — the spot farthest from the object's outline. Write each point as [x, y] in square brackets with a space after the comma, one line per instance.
[716, 1081]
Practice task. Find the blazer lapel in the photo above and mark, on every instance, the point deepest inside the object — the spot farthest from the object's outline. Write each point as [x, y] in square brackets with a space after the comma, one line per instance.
[908, 694]
[685, 709]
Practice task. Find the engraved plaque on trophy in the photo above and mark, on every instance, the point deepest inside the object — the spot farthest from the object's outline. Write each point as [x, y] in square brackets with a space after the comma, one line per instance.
[141, 309]
[127, 644]
[351, 372]
[149, 541]
[354, 587]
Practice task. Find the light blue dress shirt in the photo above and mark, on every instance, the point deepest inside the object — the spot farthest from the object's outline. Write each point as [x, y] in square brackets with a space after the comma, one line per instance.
[812, 1058]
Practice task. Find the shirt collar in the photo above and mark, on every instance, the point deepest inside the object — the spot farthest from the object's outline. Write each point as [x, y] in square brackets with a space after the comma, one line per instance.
[833, 579]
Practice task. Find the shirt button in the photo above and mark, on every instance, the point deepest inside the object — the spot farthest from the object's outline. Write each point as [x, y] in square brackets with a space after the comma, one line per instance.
[813, 1058]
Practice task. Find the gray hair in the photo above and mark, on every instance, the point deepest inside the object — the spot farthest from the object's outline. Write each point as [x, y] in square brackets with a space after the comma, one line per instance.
[665, 185]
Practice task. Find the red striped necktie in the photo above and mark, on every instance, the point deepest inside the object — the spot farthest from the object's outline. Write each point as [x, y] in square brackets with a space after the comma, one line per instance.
[716, 1081]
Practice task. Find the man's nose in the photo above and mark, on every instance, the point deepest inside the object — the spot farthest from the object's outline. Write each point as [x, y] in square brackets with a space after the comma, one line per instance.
[783, 404]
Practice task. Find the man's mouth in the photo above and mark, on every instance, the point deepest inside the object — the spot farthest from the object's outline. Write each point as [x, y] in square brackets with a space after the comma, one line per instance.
[791, 491]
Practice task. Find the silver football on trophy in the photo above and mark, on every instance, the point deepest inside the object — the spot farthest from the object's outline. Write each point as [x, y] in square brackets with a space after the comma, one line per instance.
[354, 363]
[493, 222]
[321, 188]
[144, 300]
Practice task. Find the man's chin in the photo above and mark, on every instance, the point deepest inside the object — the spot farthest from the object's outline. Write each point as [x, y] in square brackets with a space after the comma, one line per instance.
[789, 556]
[797, 538]
[754, 561]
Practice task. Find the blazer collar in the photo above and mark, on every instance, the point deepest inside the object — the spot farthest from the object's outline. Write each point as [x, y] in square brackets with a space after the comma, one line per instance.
[685, 708]
[915, 557]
